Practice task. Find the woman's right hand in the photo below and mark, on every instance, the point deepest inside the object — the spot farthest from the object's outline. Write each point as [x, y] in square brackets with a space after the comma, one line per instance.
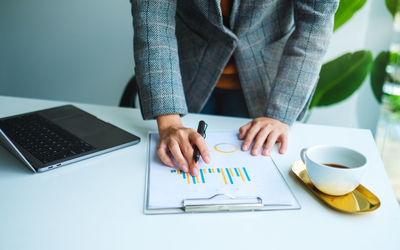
[180, 142]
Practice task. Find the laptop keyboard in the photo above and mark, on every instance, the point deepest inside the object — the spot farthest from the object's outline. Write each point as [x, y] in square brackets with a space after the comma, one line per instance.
[46, 141]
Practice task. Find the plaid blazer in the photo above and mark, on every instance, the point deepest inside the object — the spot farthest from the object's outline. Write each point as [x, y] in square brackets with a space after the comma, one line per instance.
[181, 48]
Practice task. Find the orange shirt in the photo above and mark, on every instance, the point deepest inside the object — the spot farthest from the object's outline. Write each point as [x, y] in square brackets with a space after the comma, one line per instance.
[229, 78]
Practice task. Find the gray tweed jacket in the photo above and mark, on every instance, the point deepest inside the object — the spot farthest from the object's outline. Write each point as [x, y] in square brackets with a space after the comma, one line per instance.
[181, 48]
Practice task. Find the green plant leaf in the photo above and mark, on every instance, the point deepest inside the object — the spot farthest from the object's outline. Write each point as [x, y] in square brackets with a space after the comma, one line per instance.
[393, 101]
[392, 6]
[378, 74]
[341, 77]
[346, 10]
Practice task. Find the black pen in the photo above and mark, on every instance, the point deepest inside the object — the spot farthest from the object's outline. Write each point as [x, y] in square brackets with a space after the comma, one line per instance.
[201, 129]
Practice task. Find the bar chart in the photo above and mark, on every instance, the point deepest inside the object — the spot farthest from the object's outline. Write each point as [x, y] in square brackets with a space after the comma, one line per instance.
[226, 175]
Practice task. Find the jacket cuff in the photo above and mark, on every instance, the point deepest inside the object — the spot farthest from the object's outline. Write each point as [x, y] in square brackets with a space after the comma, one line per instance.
[150, 109]
[276, 112]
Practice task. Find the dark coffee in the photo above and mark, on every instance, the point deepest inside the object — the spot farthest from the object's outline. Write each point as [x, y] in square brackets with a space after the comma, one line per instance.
[334, 165]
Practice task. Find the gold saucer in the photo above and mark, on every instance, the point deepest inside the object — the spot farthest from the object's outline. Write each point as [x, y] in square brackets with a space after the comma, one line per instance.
[361, 200]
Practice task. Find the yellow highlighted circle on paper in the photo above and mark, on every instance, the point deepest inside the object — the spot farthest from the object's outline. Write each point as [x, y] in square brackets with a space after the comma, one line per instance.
[226, 147]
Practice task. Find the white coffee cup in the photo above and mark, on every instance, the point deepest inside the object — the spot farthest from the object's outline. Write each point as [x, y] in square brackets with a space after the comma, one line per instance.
[329, 179]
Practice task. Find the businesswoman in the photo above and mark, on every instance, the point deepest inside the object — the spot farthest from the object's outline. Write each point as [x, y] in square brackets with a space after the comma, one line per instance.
[253, 58]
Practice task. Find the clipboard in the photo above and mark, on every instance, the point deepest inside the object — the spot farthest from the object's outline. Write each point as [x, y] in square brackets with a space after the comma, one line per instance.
[218, 202]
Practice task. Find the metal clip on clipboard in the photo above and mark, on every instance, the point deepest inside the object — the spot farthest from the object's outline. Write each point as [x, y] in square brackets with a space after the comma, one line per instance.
[222, 202]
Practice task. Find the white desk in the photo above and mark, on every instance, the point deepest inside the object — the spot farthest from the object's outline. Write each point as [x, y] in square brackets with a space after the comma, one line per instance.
[98, 203]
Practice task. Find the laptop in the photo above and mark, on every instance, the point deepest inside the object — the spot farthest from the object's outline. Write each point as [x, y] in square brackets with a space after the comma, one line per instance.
[59, 136]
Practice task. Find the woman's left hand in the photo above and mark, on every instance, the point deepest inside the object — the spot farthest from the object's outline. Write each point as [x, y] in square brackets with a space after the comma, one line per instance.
[264, 132]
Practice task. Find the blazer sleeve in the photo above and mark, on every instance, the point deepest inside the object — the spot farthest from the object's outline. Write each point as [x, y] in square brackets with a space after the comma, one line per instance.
[301, 59]
[156, 58]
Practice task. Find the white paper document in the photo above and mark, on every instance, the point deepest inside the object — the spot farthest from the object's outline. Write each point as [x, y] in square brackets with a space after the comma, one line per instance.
[231, 172]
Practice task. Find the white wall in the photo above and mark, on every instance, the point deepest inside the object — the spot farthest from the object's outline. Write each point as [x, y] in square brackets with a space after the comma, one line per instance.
[81, 50]
[76, 50]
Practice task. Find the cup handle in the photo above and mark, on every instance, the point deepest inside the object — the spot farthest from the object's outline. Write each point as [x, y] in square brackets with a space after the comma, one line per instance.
[303, 155]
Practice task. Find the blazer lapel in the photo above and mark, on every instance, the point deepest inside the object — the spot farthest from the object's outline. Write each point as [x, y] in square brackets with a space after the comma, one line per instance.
[214, 12]
[234, 12]
[244, 12]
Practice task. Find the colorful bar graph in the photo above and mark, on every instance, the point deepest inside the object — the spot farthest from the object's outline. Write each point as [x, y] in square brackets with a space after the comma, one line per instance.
[240, 172]
[223, 174]
[248, 178]
[202, 176]
[228, 175]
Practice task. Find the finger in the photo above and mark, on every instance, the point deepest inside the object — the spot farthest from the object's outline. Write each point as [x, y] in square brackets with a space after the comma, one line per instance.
[162, 151]
[201, 144]
[194, 169]
[187, 151]
[271, 140]
[177, 154]
[243, 130]
[260, 140]
[251, 133]
[284, 143]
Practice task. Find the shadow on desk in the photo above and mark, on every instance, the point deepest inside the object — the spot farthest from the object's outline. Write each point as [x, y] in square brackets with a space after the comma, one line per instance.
[9, 165]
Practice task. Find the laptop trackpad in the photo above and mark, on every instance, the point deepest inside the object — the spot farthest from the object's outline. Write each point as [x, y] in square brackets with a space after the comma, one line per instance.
[82, 125]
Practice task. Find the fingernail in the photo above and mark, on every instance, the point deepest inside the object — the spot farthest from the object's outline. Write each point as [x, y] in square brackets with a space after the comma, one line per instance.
[195, 172]
[268, 151]
[184, 168]
[207, 158]
[245, 147]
